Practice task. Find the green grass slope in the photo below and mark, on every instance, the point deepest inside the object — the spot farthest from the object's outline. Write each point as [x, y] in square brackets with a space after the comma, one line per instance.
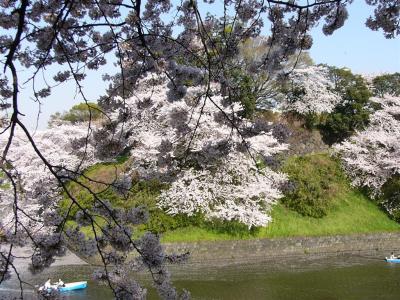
[353, 214]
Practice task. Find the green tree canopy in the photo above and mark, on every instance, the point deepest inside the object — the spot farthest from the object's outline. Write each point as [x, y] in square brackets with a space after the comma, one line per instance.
[82, 112]
[387, 84]
[353, 112]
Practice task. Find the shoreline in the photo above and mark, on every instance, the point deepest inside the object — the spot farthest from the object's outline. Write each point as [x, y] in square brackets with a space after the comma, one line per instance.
[272, 254]
[23, 254]
[240, 252]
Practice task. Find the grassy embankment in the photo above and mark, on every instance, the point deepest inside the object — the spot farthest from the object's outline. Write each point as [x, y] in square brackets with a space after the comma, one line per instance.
[353, 214]
[348, 211]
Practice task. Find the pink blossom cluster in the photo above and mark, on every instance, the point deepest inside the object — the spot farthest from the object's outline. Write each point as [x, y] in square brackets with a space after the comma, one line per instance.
[315, 92]
[64, 146]
[204, 150]
[235, 190]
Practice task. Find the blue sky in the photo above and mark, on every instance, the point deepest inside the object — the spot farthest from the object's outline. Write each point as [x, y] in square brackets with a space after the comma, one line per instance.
[354, 46]
[357, 47]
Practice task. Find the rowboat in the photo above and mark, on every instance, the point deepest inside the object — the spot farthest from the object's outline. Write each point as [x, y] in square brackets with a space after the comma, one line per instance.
[72, 286]
[393, 260]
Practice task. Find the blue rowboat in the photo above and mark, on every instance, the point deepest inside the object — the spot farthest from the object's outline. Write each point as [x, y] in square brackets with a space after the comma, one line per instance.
[73, 286]
[393, 260]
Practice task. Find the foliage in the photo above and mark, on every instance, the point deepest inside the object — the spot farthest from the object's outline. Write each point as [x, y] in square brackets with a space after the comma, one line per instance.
[82, 112]
[238, 191]
[386, 17]
[160, 222]
[317, 180]
[352, 113]
[386, 84]
[101, 180]
[244, 92]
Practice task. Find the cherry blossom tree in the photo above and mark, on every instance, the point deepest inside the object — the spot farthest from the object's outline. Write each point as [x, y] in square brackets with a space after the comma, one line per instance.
[310, 90]
[334, 100]
[67, 146]
[372, 156]
[204, 149]
[177, 40]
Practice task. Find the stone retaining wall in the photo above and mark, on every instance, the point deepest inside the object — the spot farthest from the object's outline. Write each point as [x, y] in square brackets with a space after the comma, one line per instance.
[252, 251]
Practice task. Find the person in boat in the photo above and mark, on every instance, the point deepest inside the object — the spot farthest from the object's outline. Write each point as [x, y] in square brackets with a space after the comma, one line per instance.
[60, 282]
[47, 284]
[392, 256]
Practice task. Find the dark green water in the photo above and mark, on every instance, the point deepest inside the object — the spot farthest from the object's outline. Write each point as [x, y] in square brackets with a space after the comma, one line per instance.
[337, 278]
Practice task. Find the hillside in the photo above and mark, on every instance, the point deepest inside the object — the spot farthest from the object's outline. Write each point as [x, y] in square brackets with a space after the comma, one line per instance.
[348, 211]
[324, 161]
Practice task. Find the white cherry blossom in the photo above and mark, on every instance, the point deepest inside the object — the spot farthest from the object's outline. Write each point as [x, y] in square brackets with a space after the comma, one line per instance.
[372, 156]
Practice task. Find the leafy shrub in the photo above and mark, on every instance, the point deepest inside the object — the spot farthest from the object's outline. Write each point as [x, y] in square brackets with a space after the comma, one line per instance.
[161, 222]
[314, 120]
[391, 197]
[104, 172]
[141, 193]
[317, 179]
[123, 157]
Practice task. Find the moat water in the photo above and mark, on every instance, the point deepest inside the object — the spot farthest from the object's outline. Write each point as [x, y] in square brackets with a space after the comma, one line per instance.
[345, 277]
